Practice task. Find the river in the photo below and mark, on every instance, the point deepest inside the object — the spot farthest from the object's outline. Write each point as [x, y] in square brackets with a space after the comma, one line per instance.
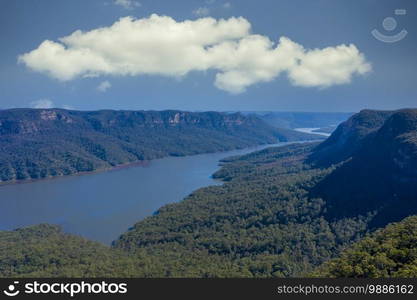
[101, 206]
[312, 130]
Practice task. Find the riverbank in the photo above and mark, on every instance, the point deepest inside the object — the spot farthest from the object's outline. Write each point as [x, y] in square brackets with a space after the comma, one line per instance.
[116, 167]
[100, 170]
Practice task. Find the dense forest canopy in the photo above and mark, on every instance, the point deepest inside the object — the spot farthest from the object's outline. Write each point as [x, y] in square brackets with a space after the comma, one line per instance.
[388, 252]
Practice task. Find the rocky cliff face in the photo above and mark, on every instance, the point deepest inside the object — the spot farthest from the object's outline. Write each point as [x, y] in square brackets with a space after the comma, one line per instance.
[25, 121]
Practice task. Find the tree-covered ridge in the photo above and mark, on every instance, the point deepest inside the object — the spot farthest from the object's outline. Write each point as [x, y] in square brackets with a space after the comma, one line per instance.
[388, 252]
[40, 143]
[379, 176]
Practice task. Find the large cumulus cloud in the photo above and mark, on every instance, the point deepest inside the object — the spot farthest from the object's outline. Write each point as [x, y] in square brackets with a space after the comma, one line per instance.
[160, 45]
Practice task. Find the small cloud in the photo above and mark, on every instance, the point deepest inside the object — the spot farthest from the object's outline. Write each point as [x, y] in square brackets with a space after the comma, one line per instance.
[127, 4]
[210, 1]
[104, 86]
[201, 12]
[227, 5]
[42, 103]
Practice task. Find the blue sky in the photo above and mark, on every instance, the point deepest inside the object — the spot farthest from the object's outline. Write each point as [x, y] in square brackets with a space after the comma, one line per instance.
[388, 83]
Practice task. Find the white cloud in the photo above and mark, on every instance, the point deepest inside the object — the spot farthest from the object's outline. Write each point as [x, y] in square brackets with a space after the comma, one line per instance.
[42, 103]
[104, 86]
[159, 45]
[328, 66]
[201, 12]
[127, 4]
[256, 59]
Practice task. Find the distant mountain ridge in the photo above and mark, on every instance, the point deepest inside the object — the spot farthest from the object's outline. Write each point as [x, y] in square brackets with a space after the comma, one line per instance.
[40, 143]
[293, 120]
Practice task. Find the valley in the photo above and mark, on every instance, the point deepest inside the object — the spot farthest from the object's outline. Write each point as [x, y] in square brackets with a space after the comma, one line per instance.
[45, 143]
[296, 210]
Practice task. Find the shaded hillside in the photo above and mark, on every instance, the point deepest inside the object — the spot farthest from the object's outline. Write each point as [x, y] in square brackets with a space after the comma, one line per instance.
[378, 167]
[389, 252]
[348, 137]
[39, 143]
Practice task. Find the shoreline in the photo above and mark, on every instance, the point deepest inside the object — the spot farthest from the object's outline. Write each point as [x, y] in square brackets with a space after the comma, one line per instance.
[141, 163]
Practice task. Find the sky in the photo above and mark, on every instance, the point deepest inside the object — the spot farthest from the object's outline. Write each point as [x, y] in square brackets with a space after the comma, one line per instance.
[198, 55]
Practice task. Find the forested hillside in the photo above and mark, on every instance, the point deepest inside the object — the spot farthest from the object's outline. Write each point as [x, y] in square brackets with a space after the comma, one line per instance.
[377, 171]
[282, 212]
[388, 252]
[45, 251]
[40, 143]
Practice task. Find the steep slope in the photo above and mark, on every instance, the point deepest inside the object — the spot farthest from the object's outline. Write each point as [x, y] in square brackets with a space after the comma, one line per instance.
[348, 137]
[51, 142]
[379, 176]
[389, 252]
